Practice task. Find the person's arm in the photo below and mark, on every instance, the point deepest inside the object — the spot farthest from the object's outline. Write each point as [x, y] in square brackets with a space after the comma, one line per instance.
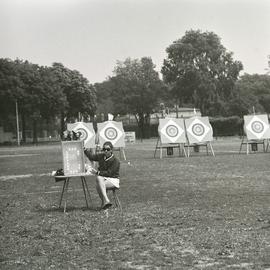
[90, 155]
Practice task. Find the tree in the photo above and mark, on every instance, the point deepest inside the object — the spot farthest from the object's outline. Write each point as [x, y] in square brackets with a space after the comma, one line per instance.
[251, 91]
[200, 71]
[80, 95]
[136, 88]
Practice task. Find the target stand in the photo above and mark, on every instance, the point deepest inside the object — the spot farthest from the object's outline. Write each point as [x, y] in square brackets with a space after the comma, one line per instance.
[252, 145]
[199, 134]
[169, 146]
[171, 134]
[207, 146]
[256, 132]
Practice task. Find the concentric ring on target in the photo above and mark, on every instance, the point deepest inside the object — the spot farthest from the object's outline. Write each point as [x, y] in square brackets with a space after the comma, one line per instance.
[172, 131]
[257, 127]
[110, 133]
[198, 129]
[83, 133]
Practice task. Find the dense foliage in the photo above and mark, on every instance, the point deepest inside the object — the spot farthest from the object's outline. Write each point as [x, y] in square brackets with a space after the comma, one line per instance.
[200, 71]
[135, 89]
[43, 92]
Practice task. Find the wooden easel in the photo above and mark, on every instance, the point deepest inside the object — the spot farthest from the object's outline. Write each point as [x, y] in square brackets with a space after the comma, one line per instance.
[160, 146]
[65, 188]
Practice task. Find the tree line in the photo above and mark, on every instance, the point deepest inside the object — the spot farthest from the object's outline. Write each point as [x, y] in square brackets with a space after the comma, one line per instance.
[197, 72]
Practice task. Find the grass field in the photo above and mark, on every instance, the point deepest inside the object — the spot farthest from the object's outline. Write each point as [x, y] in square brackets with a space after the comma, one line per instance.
[201, 212]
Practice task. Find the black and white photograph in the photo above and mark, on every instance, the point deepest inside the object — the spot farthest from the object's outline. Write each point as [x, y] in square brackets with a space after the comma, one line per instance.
[134, 134]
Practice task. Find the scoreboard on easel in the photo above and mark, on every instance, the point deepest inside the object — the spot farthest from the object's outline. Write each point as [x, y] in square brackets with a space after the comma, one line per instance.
[73, 157]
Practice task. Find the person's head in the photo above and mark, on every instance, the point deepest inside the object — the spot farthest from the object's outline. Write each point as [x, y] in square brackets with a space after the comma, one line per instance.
[107, 148]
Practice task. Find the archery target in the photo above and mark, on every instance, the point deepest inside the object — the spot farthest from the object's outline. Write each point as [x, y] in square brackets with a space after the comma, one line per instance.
[172, 130]
[111, 131]
[199, 130]
[86, 131]
[256, 127]
[83, 133]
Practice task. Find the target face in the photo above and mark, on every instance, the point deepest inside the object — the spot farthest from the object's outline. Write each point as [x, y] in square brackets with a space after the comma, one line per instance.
[83, 133]
[257, 127]
[86, 132]
[172, 131]
[111, 133]
[198, 129]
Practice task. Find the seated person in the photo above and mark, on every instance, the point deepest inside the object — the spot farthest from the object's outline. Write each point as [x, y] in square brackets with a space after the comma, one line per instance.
[108, 172]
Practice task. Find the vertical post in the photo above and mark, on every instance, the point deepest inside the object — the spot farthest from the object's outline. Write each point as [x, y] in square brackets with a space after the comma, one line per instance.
[17, 123]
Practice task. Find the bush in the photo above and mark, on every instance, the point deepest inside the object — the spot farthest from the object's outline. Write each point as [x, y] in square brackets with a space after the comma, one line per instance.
[227, 126]
[222, 126]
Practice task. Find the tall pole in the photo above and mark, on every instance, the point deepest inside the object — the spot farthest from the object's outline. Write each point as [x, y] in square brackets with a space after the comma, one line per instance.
[17, 123]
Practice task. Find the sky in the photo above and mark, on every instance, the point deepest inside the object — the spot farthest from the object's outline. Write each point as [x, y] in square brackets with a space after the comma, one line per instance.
[92, 35]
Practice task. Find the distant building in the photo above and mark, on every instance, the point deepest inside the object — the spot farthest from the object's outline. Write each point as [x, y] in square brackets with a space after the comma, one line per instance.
[130, 119]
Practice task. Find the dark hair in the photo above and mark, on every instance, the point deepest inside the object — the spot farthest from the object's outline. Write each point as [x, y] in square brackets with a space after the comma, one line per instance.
[108, 144]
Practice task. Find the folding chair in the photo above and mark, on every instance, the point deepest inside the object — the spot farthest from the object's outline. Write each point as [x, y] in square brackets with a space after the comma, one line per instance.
[115, 196]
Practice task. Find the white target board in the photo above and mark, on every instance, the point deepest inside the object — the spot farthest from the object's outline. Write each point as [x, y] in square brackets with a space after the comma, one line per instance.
[256, 127]
[172, 130]
[111, 131]
[86, 131]
[199, 130]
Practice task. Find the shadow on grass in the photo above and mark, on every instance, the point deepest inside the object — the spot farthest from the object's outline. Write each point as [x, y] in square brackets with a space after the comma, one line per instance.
[68, 209]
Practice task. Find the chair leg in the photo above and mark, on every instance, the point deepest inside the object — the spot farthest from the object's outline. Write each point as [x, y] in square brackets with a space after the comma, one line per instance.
[117, 201]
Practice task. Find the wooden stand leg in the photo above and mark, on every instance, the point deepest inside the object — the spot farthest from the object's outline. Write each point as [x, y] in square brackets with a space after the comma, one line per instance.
[84, 192]
[241, 145]
[212, 149]
[124, 155]
[87, 189]
[64, 190]
[207, 149]
[184, 150]
[156, 147]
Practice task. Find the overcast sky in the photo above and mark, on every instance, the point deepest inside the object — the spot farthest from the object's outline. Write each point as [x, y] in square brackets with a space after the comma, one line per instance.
[91, 35]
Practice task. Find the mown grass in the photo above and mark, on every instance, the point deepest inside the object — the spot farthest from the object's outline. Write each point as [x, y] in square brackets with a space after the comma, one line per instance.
[201, 212]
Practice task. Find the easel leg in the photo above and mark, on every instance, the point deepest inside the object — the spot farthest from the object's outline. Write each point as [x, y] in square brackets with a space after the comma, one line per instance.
[87, 189]
[84, 192]
[62, 193]
[184, 150]
[124, 155]
[156, 147]
[207, 149]
[241, 145]
[64, 190]
[212, 149]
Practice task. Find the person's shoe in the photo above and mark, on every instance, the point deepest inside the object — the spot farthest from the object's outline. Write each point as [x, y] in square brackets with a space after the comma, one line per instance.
[106, 206]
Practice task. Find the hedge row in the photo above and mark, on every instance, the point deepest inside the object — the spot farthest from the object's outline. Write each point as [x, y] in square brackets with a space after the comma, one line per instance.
[222, 126]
